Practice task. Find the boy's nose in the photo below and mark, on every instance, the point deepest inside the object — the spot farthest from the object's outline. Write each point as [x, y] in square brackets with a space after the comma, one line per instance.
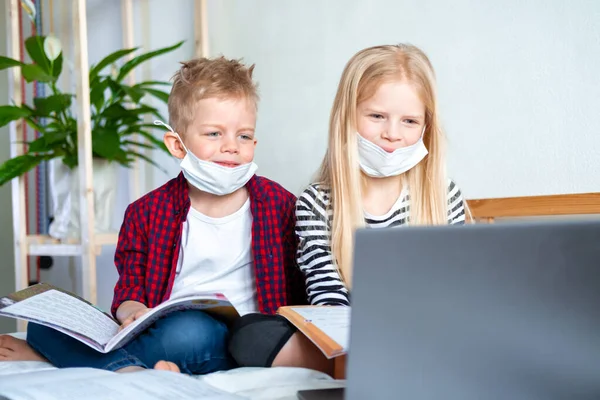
[230, 146]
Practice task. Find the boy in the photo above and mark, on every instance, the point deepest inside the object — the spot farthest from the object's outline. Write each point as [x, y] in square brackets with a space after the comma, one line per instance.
[217, 227]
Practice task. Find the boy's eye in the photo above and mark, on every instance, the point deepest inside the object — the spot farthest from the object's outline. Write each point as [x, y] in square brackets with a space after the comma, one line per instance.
[212, 134]
[246, 137]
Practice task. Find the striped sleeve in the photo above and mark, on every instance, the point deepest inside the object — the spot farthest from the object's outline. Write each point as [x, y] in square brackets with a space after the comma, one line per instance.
[323, 283]
[456, 205]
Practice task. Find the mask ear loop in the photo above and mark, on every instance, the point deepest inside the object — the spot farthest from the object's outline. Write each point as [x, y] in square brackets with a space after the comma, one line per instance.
[160, 123]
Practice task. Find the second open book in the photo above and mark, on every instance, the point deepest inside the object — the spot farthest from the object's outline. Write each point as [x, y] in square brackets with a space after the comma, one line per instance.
[328, 327]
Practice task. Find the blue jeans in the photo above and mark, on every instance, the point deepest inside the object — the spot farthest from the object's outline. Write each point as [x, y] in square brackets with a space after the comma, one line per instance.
[193, 340]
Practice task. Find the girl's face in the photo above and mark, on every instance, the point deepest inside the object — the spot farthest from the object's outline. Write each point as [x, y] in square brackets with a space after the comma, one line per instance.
[393, 117]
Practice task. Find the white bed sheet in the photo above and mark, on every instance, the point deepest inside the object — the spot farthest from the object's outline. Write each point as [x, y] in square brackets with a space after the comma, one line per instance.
[253, 383]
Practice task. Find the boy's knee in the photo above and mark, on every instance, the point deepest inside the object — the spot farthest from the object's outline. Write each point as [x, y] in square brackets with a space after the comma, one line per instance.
[193, 330]
[256, 339]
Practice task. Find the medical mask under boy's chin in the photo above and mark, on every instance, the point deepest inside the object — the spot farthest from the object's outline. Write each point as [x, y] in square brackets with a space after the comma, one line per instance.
[210, 177]
[378, 163]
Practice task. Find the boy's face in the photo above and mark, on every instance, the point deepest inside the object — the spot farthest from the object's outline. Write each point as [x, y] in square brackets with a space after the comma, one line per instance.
[222, 132]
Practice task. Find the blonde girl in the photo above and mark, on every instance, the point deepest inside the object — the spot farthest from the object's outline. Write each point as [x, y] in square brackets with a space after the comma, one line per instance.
[384, 167]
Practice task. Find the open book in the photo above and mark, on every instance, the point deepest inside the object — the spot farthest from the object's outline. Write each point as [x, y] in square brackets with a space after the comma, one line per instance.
[67, 313]
[96, 384]
[328, 327]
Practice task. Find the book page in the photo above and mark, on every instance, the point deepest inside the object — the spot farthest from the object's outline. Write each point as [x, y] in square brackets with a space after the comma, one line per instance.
[55, 308]
[90, 384]
[208, 302]
[334, 321]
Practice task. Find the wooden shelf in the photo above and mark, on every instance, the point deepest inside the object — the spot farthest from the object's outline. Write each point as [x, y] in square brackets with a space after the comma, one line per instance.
[90, 244]
[44, 245]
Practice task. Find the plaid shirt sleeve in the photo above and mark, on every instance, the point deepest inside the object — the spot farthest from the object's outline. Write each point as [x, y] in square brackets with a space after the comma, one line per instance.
[295, 278]
[131, 258]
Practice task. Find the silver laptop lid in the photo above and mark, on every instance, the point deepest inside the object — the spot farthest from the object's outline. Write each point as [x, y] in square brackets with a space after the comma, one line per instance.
[504, 311]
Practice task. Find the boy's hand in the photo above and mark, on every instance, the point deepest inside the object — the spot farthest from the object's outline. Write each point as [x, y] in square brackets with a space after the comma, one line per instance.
[133, 316]
[129, 311]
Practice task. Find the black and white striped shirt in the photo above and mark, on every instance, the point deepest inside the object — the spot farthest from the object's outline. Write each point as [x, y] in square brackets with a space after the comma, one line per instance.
[313, 227]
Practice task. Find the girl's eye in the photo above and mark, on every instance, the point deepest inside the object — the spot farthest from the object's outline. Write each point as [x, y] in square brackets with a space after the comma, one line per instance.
[376, 116]
[411, 121]
[212, 134]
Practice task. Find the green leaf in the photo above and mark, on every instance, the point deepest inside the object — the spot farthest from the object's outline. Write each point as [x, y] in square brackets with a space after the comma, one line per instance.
[158, 144]
[144, 109]
[114, 111]
[159, 94]
[19, 165]
[39, 145]
[12, 113]
[135, 128]
[35, 49]
[115, 88]
[131, 64]
[57, 66]
[45, 106]
[117, 111]
[151, 83]
[105, 143]
[97, 93]
[121, 158]
[139, 144]
[33, 72]
[6, 62]
[33, 123]
[70, 160]
[135, 94]
[147, 159]
[109, 59]
[54, 138]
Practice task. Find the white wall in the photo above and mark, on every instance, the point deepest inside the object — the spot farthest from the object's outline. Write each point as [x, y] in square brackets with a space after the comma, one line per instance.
[518, 82]
[518, 86]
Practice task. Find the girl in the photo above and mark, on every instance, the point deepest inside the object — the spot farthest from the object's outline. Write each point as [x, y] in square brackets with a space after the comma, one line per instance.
[384, 167]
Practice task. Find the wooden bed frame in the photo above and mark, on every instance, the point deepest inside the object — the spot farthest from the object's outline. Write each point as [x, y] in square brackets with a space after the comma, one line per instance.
[488, 210]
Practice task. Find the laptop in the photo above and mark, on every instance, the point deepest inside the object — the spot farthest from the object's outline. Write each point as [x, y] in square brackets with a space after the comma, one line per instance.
[504, 311]
[320, 394]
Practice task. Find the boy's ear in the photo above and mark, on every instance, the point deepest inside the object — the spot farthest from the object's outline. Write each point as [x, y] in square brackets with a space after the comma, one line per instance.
[174, 145]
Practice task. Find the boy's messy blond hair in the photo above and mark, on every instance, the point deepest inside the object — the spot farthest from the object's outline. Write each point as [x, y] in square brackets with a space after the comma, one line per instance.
[202, 78]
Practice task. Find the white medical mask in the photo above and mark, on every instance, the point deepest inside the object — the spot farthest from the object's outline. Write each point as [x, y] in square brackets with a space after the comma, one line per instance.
[211, 177]
[378, 163]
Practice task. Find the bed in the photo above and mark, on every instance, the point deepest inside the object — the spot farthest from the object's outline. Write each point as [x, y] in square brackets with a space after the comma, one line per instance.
[248, 383]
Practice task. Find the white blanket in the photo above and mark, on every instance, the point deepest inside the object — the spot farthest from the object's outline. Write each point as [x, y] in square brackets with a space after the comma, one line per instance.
[252, 383]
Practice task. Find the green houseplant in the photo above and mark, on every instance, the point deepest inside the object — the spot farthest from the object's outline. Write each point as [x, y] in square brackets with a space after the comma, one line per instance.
[118, 118]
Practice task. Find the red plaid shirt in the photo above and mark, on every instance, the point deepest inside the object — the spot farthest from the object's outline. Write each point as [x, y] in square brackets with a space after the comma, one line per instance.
[150, 238]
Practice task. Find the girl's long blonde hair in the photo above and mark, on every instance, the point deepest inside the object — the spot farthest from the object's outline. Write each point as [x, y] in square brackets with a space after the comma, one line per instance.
[340, 169]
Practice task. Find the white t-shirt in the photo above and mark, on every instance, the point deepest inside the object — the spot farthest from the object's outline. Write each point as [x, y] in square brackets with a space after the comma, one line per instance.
[216, 257]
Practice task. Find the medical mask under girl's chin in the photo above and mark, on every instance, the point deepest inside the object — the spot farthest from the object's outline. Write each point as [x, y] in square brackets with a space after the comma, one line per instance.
[378, 163]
